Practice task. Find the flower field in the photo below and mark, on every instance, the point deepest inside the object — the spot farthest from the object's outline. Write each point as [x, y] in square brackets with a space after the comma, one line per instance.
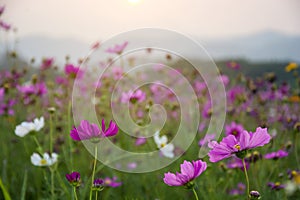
[64, 129]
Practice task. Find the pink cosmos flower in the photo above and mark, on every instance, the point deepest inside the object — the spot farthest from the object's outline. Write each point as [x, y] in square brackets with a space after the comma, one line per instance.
[117, 49]
[1, 93]
[234, 129]
[189, 171]
[61, 80]
[117, 72]
[47, 63]
[96, 45]
[86, 131]
[207, 110]
[231, 145]
[140, 141]
[200, 87]
[2, 8]
[133, 97]
[111, 182]
[29, 92]
[5, 26]
[276, 155]
[73, 71]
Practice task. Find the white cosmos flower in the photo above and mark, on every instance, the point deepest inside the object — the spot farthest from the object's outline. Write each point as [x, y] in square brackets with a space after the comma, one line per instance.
[166, 149]
[46, 160]
[26, 127]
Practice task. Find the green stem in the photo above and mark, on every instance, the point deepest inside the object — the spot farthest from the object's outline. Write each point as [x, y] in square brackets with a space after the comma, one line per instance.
[51, 135]
[52, 184]
[70, 139]
[247, 179]
[96, 195]
[195, 193]
[75, 193]
[296, 148]
[40, 150]
[93, 174]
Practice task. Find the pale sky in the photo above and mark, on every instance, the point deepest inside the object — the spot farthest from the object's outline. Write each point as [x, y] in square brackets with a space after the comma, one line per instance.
[91, 20]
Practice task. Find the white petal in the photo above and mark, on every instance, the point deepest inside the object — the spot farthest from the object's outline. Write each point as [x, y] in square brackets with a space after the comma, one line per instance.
[167, 151]
[39, 123]
[36, 159]
[21, 131]
[156, 138]
[164, 139]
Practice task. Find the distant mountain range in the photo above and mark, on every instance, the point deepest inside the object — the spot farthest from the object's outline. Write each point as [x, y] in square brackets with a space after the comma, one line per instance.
[264, 46]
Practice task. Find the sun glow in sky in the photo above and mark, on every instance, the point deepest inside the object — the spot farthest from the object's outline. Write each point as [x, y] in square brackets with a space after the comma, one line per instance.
[134, 1]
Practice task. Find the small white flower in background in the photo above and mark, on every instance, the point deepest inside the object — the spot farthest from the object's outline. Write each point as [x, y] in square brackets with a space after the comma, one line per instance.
[26, 127]
[166, 149]
[46, 160]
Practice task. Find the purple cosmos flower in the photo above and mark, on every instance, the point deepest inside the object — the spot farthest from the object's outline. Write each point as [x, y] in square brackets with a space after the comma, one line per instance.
[231, 145]
[254, 195]
[86, 131]
[7, 107]
[117, 49]
[234, 129]
[98, 184]
[237, 163]
[239, 190]
[189, 171]
[111, 182]
[276, 155]
[233, 65]
[74, 179]
[207, 138]
[276, 186]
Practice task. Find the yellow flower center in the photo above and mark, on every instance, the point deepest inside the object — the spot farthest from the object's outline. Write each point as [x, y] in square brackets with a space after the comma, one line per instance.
[277, 183]
[162, 145]
[294, 173]
[234, 132]
[297, 179]
[43, 162]
[237, 146]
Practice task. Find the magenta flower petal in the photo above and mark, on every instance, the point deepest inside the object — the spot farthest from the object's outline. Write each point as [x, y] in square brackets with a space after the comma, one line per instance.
[74, 134]
[111, 130]
[199, 167]
[244, 139]
[86, 131]
[259, 138]
[171, 179]
[231, 145]
[189, 171]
